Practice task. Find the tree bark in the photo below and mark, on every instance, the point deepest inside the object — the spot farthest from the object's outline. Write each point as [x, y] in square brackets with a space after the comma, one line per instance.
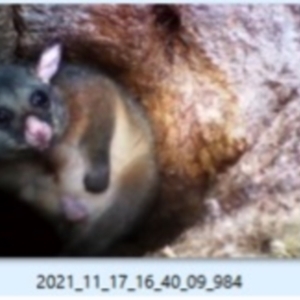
[212, 79]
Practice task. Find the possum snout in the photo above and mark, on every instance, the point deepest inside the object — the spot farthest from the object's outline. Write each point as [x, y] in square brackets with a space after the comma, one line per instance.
[38, 133]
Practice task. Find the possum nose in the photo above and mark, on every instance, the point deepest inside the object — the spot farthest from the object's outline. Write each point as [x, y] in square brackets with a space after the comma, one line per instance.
[38, 133]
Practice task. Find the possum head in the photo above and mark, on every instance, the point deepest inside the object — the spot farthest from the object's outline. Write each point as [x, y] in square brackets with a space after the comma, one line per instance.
[32, 113]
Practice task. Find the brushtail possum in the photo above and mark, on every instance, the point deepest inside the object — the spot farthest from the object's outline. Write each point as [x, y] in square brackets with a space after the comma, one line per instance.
[78, 148]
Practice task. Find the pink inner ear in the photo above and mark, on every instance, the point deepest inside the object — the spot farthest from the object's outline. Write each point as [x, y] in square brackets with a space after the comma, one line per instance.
[49, 63]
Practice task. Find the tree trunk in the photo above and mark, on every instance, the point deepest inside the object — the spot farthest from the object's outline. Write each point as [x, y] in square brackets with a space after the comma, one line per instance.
[212, 79]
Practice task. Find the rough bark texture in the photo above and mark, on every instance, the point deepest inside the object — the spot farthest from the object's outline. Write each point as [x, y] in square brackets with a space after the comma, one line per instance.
[267, 180]
[8, 34]
[217, 81]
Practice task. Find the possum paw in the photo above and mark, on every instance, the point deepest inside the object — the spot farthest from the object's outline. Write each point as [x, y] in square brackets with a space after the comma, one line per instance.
[74, 209]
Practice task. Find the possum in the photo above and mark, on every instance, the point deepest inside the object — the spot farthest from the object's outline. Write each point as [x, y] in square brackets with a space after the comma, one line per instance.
[77, 147]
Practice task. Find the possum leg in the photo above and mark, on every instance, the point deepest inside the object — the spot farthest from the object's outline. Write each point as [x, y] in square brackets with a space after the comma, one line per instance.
[97, 143]
[96, 180]
[137, 184]
[73, 209]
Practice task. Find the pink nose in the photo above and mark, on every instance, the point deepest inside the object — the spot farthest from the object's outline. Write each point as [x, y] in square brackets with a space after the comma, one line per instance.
[37, 133]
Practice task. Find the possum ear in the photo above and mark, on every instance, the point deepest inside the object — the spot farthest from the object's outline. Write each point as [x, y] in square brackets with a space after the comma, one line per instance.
[49, 63]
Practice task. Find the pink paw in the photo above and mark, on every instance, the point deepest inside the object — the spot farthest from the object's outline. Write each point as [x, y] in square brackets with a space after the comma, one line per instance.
[74, 209]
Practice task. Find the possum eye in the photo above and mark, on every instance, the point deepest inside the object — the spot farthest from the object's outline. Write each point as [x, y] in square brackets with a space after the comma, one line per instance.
[6, 116]
[39, 99]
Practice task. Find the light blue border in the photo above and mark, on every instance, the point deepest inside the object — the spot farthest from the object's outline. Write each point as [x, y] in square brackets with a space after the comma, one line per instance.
[264, 278]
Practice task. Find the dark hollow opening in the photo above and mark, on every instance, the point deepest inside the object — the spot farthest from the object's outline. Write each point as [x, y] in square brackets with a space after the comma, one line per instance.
[23, 232]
